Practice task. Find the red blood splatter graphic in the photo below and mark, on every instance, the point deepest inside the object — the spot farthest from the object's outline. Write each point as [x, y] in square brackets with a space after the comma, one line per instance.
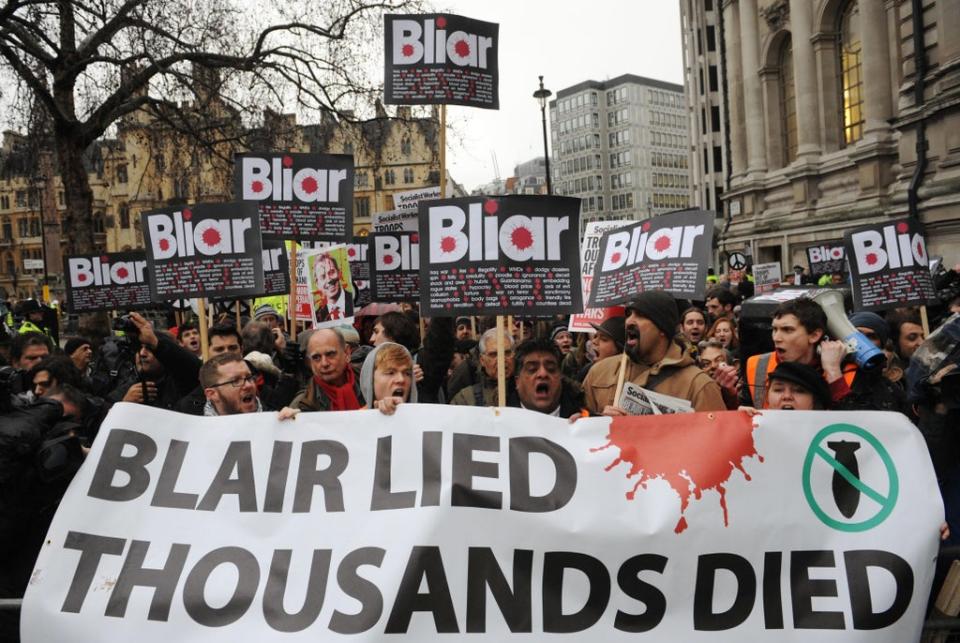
[645, 226]
[692, 453]
[407, 50]
[920, 249]
[352, 252]
[462, 47]
[661, 244]
[257, 186]
[448, 244]
[871, 259]
[414, 238]
[104, 258]
[164, 245]
[388, 259]
[81, 277]
[187, 214]
[287, 161]
[521, 238]
[441, 22]
[122, 272]
[211, 237]
[490, 207]
[309, 185]
[616, 257]
[902, 227]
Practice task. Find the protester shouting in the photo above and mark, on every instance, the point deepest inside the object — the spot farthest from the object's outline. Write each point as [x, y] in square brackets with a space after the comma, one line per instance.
[386, 378]
[189, 337]
[539, 384]
[656, 360]
[793, 386]
[230, 387]
[693, 324]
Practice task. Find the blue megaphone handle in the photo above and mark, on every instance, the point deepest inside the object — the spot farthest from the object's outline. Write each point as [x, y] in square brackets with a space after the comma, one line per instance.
[864, 352]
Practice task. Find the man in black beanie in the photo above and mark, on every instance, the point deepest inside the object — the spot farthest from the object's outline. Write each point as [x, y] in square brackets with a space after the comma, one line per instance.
[656, 361]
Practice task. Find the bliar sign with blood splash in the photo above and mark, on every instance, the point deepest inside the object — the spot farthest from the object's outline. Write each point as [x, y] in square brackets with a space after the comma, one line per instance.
[307, 197]
[514, 255]
[670, 252]
[889, 266]
[207, 250]
[115, 281]
[440, 59]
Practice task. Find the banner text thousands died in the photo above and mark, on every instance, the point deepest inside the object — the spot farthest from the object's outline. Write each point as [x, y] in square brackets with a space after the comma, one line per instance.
[207, 250]
[506, 255]
[670, 252]
[307, 197]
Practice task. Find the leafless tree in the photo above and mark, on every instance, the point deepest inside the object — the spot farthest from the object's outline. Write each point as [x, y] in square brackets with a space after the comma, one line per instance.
[90, 63]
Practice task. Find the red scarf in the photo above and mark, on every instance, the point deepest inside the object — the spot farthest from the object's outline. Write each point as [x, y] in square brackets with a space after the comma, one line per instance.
[343, 397]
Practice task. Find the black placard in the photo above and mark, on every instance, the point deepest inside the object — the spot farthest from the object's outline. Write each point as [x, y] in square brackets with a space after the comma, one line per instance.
[434, 59]
[208, 250]
[394, 264]
[889, 266]
[670, 252]
[500, 255]
[276, 269]
[826, 259]
[113, 281]
[307, 197]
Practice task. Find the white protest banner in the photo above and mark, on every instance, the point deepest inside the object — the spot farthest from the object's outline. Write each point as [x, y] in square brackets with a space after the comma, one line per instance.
[355, 526]
[589, 253]
[396, 221]
[410, 200]
[766, 276]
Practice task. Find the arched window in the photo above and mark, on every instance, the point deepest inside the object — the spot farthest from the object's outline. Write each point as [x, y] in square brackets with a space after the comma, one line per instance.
[851, 78]
[788, 102]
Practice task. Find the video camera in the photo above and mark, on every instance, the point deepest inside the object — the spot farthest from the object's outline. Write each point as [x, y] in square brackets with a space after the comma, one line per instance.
[125, 325]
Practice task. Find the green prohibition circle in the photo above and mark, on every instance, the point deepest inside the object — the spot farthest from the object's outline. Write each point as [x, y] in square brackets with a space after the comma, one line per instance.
[886, 503]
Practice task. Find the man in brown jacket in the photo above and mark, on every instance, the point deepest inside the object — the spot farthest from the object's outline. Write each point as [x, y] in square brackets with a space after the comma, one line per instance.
[655, 360]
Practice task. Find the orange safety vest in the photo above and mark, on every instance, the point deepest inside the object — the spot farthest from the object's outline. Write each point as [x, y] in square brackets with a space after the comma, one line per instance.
[759, 368]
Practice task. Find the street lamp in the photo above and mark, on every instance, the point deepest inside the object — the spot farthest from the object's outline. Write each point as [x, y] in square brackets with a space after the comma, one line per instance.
[542, 95]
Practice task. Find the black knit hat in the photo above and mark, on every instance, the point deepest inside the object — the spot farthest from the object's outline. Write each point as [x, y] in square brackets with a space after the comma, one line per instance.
[659, 307]
[73, 344]
[805, 376]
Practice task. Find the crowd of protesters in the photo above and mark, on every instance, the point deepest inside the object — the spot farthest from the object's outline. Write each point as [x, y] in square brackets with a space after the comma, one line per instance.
[56, 394]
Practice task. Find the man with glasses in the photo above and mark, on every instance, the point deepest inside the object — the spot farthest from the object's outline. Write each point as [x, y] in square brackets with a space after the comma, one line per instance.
[540, 385]
[334, 385]
[230, 387]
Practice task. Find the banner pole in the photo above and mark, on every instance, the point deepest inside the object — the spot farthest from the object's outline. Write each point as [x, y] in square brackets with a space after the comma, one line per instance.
[178, 316]
[423, 329]
[473, 327]
[924, 321]
[204, 340]
[501, 365]
[512, 329]
[443, 151]
[620, 378]
[237, 310]
[292, 305]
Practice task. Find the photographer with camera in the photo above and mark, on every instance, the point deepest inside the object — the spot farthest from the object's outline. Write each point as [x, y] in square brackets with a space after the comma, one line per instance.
[164, 371]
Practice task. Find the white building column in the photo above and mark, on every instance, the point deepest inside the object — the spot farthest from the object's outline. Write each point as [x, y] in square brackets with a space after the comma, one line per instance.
[738, 139]
[752, 94]
[877, 99]
[805, 78]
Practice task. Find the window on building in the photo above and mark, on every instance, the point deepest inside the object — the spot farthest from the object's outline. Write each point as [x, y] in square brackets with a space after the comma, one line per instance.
[717, 159]
[851, 80]
[4, 202]
[7, 230]
[21, 198]
[389, 177]
[408, 175]
[361, 206]
[712, 75]
[714, 118]
[360, 180]
[22, 227]
[124, 215]
[405, 146]
[98, 223]
[122, 173]
[711, 38]
[788, 104]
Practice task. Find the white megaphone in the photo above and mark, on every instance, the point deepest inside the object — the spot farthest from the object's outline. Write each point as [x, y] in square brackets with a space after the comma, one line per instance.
[865, 352]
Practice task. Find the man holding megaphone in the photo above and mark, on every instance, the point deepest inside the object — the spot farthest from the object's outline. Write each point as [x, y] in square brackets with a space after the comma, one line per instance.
[799, 335]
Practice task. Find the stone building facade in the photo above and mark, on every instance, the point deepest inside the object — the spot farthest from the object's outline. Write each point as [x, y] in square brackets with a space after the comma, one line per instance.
[839, 113]
[149, 166]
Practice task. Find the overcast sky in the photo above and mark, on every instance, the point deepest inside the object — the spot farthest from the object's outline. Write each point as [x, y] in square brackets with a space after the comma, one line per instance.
[567, 41]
